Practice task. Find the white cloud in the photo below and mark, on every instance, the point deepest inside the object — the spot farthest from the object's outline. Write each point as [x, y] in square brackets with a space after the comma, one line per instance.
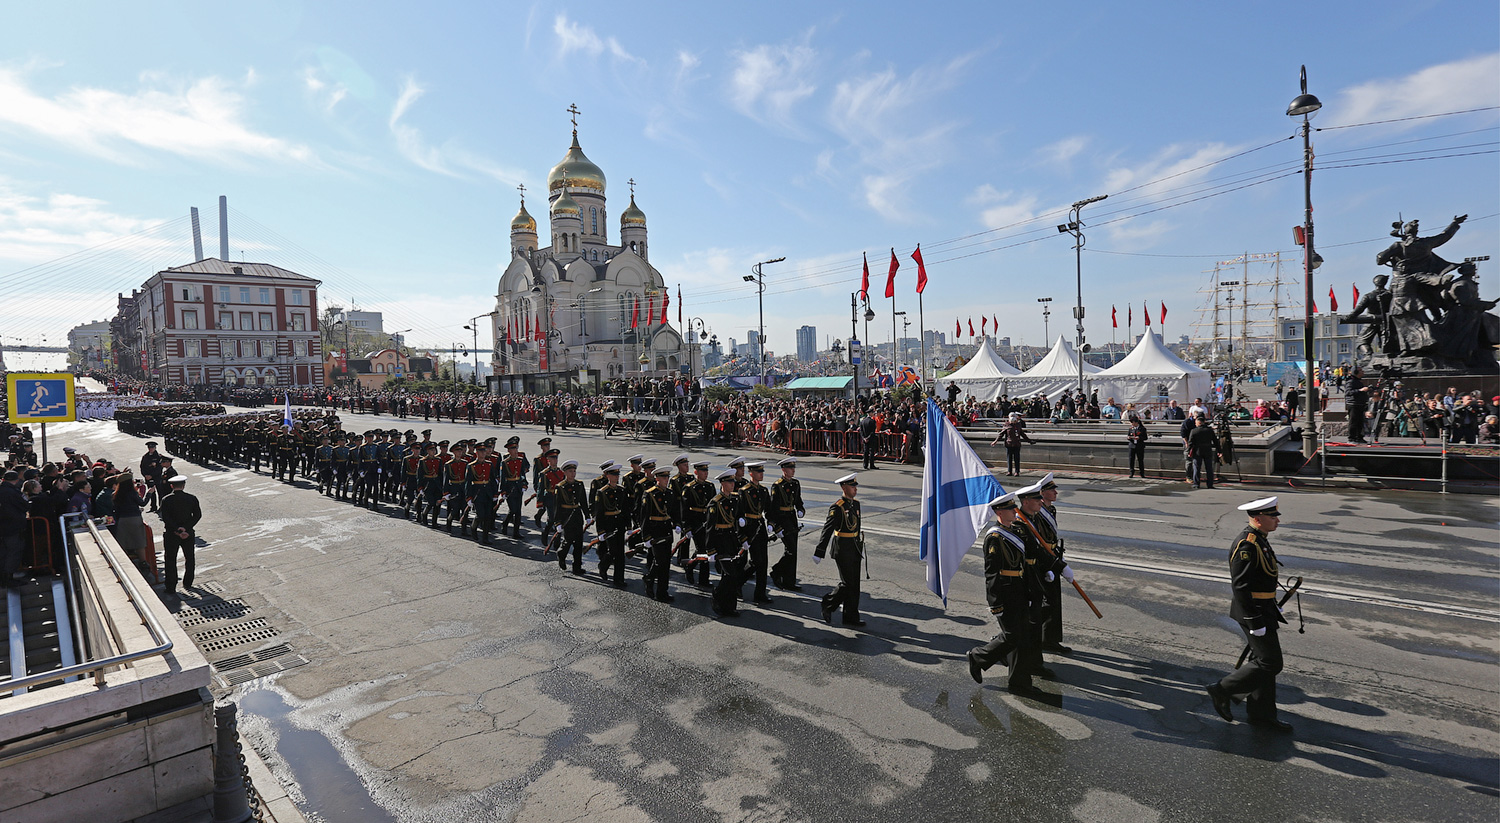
[1062, 152]
[446, 159]
[1005, 209]
[1462, 84]
[770, 80]
[575, 37]
[36, 229]
[1173, 167]
[203, 119]
[327, 94]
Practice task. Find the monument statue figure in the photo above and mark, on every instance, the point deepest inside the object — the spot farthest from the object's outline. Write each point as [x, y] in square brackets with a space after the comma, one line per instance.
[1373, 312]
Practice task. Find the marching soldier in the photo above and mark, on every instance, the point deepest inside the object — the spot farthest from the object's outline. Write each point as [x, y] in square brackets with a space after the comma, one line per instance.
[455, 476]
[286, 455]
[842, 531]
[432, 482]
[572, 509]
[1042, 565]
[644, 482]
[1045, 523]
[254, 437]
[755, 504]
[1007, 588]
[547, 492]
[366, 472]
[633, 477]
[1254, 573]
[513, 485]
[411, 478]
[538, 465]
[738, 464]
[727, 545]
[696, 497]
[598, 482]
[323, 458]
[684, 475]
[786, 508]
[658, 515]
[481, 493]
[610, 514]
[342, 461]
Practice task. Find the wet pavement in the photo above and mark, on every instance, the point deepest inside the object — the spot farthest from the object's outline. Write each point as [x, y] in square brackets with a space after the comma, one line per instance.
[451, 681]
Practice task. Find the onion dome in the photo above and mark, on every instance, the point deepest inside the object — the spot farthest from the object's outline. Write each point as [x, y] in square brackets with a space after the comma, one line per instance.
[566, 206]
[576, 171]
[632, 216]
[523, 221]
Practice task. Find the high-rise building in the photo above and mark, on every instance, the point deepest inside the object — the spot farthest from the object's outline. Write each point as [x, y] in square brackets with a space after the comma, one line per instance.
[752, 347]
[807, 344]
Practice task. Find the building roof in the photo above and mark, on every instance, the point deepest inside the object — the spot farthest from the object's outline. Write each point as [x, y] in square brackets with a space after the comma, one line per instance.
[816, 383]
[213, 265]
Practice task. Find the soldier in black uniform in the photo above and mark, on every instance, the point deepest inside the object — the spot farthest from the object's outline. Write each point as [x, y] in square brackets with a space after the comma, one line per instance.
[1044, 566]
[597, 483]
[538, 465]
[657, 515]
[610, 514]
[727, 544]
[1254, 574]
[842, 530]
[695, 499]
[1045, 523]
[1007, 587]
[481, 492]
[324, 460]
[786, 508]
[343, 459]
[738, 464]
[254, 438]
[151, 471]
[572, 512]
[755, 506]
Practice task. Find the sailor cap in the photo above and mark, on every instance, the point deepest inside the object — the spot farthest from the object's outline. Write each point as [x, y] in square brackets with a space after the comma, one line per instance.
[680, 459]
[1004, 501]
[1034, 490]
[727, 474]
[1265, 505]
[738, 461]
[613, 469]
[177, 479]
[664, 471]
[1046, 482]
[570, 464]
[786, 461]
[649, 462]
[605, 465]
[636, 458]
[850, 479]
[701, 464]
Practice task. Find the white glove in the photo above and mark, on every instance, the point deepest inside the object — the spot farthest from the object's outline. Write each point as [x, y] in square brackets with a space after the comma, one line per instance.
[817, 560]
[1280, 610]
[742, 522]
[801, 513]
[745, 546]
[588, 523]
[1051, 577]
[1261, 632]
[1067, 573]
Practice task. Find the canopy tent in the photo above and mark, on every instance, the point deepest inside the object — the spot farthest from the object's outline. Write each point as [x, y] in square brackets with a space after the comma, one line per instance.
[1052, 374]
[1152, 373]
[983, 377]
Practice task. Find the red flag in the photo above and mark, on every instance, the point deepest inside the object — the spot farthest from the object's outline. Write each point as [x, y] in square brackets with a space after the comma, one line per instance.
[958, 327]
[1315, 306]
[1146, 310]
[1164, 314]
[921, 269]
[1333, 302]
[1356, 293]
[650, 308]
[635, 313]
[679, 304]
[1130, 315]
[890, 277]
[864, 280]
[971, 327]
[1114, 317]
[666, 297]
[984, 323]
[539, 335]
[995, 321]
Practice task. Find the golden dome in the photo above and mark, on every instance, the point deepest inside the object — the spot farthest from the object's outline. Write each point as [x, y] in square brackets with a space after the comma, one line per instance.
[523, 221]
[578, 171]
[632, 216]
[565, 205]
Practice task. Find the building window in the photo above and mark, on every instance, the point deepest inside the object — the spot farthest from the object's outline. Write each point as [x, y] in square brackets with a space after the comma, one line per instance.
[299, 321]
[265, 297]
[1343, 347]
[247, 321]
[190, 320]
[223, 294]
[265, 322]
[297, 298]
[226, 320]
[244, 294]
[191, 348]
[594, 215]
[299, 348]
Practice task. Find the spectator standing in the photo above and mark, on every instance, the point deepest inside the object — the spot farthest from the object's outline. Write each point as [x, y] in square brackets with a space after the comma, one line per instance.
[1135, 440]
[1203, 448]
[14, 509]
[180, 514]
[1013, 433]
[130, 531]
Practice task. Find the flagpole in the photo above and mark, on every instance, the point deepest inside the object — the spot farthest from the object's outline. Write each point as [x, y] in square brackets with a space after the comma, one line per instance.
[922, 329]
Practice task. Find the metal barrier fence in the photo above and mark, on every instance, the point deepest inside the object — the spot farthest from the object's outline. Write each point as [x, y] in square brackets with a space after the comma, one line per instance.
[848, 444]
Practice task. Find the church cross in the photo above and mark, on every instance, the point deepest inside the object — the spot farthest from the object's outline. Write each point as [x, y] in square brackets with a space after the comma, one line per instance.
[522, 189]
[631, 181]
[573, 108]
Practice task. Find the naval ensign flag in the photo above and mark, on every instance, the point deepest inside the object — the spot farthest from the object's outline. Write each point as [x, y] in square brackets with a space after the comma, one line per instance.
[956, 490]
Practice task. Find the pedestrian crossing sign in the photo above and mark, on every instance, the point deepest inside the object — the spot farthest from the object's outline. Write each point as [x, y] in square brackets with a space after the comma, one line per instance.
[39, 398]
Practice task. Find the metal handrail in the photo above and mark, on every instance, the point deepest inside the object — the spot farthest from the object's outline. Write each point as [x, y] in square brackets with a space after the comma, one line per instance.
[97, 667]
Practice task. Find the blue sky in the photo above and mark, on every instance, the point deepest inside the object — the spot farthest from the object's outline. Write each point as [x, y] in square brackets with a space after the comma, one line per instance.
[378, 146]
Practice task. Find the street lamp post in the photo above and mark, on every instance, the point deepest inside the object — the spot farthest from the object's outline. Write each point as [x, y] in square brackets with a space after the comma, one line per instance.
[1074, 226]
[759, 279]
[1046, 318]
[1305, 106]
[895, 342]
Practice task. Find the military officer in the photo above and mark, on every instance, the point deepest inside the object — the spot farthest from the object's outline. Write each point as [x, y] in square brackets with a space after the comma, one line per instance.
[842, 531]
[657, 515]
[1045, 523]
[610, 515]
[538, 465]
[1006, 588]
[411, 477]
[547, 492]
[786, 508]
[572, 509]
[738, 464]
[696, 497]
[481, 492]
[432, 482]
[727, 545]
[684, 475]
[323, 458]
[598, 482]
[513, 484]
[755, 506]
[1043, 566]
[1254, 574]
[455, 475]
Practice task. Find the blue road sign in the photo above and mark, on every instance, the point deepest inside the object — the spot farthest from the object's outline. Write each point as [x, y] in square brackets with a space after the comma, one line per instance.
[855, 352]
[40, 398]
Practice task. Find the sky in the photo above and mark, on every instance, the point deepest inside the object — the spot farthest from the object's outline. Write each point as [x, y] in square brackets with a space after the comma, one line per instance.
[378, 146]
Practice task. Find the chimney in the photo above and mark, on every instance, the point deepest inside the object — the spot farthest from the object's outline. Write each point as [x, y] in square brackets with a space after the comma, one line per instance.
[224, 228]
[197, 236]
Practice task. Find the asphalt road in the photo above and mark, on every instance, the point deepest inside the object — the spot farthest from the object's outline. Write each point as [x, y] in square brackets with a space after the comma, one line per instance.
[450, 681]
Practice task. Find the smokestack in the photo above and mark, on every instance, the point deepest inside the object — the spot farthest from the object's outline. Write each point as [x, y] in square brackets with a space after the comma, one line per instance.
[197, 236]
[224, 228]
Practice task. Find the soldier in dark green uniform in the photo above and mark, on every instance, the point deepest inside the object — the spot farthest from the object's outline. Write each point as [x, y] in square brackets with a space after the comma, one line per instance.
[572, 512]
[658, 516]
[727, 544]
[755, 505]
[843, 532]
[1254, 573]
[695, 499]
[610, 505]
[324, 460]
[1008, 588]
[786, 508]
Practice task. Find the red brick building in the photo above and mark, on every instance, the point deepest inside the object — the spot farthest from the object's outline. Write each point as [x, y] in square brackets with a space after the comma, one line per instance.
[248, 324]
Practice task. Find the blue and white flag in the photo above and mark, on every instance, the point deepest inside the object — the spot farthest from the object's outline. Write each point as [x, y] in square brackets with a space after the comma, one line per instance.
[956, 490]
[286, 415]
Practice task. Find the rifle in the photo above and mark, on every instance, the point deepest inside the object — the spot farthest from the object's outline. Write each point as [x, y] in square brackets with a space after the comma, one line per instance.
[1290, 590]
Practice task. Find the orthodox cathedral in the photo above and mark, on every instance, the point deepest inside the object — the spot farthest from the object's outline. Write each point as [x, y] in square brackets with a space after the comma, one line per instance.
[582, 302]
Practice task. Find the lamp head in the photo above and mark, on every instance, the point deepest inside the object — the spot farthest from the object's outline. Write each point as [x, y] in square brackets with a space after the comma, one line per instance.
[1304, 103]
[869, 315]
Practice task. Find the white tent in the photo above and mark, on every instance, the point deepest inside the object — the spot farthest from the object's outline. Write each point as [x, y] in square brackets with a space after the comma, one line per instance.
[1151, 373]
[983, 377]
[1052, 374]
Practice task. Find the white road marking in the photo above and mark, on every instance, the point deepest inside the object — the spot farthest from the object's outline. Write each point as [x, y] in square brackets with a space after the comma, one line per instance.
[1072, 511]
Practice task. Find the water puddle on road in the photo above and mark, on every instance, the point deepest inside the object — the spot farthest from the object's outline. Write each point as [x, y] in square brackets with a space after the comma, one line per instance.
[334, 793]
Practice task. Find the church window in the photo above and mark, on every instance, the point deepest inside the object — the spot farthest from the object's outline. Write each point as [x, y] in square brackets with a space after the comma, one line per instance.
[594, 215]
